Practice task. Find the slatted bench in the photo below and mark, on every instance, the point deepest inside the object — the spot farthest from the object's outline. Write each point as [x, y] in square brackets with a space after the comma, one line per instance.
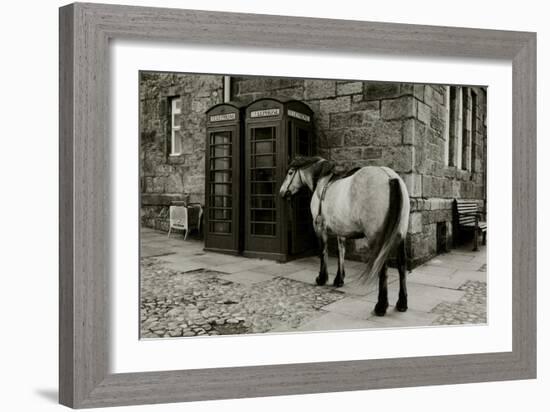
[468, 218]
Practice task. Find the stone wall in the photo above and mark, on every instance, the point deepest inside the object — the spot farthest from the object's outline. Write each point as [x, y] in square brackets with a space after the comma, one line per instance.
[435, 181]
[166, 178]
[402, 126]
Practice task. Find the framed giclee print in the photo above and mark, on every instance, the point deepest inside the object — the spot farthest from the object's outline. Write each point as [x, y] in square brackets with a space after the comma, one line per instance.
[258, 205]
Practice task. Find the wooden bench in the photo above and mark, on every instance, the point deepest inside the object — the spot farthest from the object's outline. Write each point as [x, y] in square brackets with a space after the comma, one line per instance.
[468, 218]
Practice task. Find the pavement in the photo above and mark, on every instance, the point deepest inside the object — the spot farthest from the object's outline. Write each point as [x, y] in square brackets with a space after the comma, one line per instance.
[186, 291]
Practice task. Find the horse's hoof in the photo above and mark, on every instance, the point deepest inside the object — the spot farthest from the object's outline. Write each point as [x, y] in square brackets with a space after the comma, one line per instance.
[321, 280]
[338, 282]
[401, 306]
[380, 308]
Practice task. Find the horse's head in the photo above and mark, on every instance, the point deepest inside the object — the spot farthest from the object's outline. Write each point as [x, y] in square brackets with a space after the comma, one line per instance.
[303, 171]
[292, 184]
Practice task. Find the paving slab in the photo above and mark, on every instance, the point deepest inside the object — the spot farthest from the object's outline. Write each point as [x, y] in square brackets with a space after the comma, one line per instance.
[419, 277]
[351, 306]
[150, 251]
[302, 264]
[278, 269]
[435, 270]
[241, 266]
[310, 260]
[475, 275]
[336, 321]
[410, 318]
[248, 277]
[461, 251]
[211, 260]
[443, 265]
[482, 259]
[187, 266]
[355, 286]
[353, 264]
[177, 249]
[358, 287]
[315, 260]
[420, 297]
[304, 275]
[467, 251]
[351, 271]
[180, 263]
[150, 233]
[452, 257]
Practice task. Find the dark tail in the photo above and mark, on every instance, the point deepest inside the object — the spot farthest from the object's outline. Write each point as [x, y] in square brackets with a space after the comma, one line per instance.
[383, 246]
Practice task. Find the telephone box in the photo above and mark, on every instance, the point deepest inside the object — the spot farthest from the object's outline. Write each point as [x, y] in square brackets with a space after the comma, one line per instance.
[275, 132]
[223, 199]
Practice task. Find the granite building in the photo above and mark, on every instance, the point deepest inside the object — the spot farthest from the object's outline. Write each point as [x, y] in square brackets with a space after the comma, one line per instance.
[434, 136]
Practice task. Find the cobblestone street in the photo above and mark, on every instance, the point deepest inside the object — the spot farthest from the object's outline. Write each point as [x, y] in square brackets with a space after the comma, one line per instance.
[188, 292]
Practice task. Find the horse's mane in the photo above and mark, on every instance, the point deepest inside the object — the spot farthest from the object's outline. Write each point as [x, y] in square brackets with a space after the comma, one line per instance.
[322, 166]
[303, 161]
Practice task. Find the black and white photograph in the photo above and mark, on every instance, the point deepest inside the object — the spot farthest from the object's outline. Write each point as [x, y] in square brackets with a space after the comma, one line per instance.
[285, 205]
[239, 206]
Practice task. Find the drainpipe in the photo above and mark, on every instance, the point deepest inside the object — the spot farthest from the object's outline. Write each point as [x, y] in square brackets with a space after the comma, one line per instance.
[226, 89]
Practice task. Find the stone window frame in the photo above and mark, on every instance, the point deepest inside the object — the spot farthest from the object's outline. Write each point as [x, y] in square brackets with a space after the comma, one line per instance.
[174, 125]
[447, 132]
[474, 125]
[465, 143]
[457, 141]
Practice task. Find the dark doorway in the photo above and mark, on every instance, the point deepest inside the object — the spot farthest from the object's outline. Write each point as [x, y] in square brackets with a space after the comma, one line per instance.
[441, 237]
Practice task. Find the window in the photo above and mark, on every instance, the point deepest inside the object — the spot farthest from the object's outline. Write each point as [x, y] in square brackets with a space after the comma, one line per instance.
[465, 141]
[451, 125]
[459, 147]
[175, 126]
[474, 132]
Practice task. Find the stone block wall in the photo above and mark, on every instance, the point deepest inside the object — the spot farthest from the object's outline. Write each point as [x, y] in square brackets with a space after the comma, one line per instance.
[436, 180]
[166, 178]
[399, 125]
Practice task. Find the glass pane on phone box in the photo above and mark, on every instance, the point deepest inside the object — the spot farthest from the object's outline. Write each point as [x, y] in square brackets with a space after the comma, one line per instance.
[221, 227]
[264, 147]
[221, 201]
[263, 175]
[220, 138]
[219, 177]
[263, 215]
[220, 189]
[264, 161]
[221, 214]
[220, 164]
[220, 150]
[262, 188]
[261, 202]
[263, 229]
[263, 133]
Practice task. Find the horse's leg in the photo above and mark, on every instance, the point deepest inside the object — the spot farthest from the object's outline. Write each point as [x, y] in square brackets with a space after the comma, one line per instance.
[341, 274]
[382, 305]
[401, 305]
[323, 271]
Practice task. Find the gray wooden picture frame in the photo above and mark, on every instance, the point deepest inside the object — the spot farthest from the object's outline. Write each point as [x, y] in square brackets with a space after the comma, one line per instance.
[85, 31]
